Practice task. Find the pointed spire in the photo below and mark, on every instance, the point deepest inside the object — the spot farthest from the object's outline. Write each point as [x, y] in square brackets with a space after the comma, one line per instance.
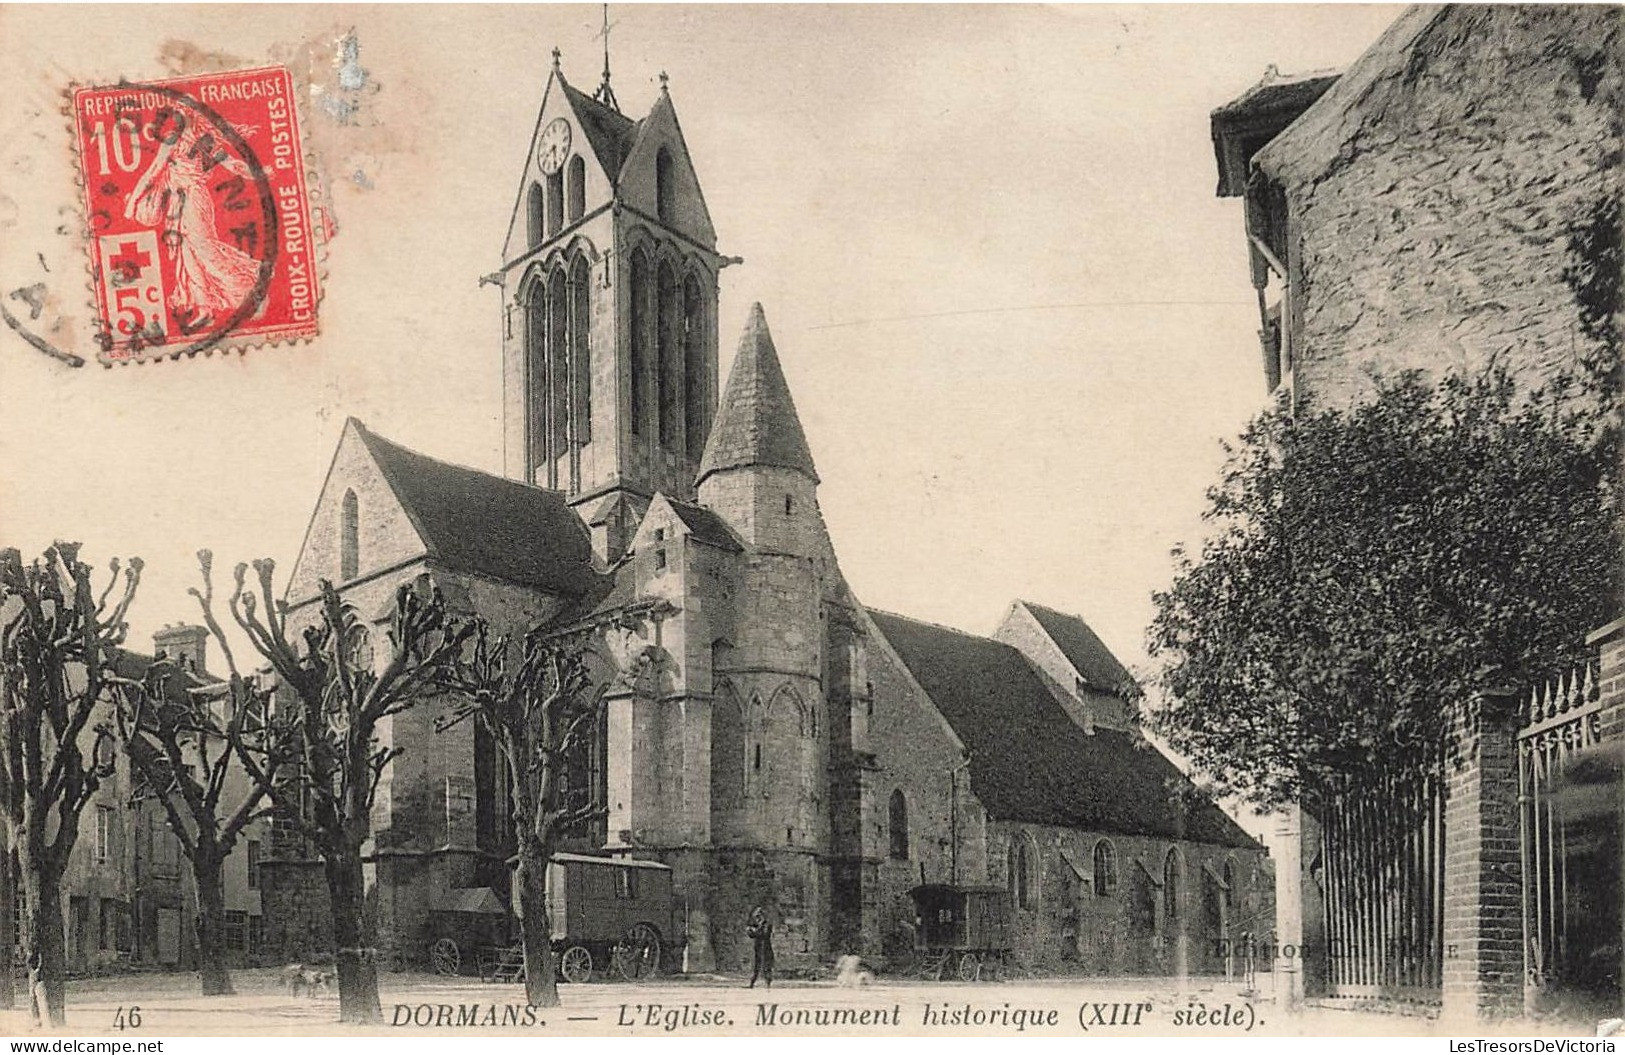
[757, 422]
[605, 94]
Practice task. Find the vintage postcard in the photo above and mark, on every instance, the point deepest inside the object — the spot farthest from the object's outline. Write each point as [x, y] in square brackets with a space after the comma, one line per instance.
[799, 520]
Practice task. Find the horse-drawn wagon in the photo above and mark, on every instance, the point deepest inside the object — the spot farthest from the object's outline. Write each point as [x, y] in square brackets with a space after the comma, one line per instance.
[961, 929]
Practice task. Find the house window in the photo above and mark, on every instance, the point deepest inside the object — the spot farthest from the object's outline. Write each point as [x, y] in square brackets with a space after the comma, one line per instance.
[166, 858]
[236, 931]
[253, 864]
[1105, 868]
[1173, 879]
[104, 835]
[256, 933]
[578, 188]
[1020, 868]
[349, 537]
[899, 825]
[665, 191]
[660, 560]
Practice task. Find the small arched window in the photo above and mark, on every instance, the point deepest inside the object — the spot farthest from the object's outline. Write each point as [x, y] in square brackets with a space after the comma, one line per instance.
[577, 188]
[665, 191]
[535, 214]
[555, 202]
[898, 819]
[1173, 882]
[1020, 868]
[1105, 868]
[349, 537]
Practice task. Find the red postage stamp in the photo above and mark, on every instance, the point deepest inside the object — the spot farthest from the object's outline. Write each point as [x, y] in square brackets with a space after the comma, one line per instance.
[199, 213]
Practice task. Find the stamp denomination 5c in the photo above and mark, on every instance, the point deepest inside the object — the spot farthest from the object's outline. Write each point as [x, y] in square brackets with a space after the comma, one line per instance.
[199, 213]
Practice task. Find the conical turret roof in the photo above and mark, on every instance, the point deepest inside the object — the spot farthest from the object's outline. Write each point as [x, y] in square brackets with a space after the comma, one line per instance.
[757, 422]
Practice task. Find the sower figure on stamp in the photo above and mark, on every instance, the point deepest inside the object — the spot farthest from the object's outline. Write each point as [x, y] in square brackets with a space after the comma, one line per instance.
[760, 932]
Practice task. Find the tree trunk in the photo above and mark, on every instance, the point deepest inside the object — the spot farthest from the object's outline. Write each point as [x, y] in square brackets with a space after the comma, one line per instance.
[352, 939]
[541, 986]
[43, 893]
[9, 937]
[211, 926]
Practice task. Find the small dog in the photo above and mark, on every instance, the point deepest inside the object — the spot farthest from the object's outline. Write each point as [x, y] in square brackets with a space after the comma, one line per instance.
[296, 978]
[849, 972]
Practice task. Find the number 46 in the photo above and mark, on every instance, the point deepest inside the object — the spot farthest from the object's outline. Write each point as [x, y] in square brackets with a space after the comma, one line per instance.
[127, 1019]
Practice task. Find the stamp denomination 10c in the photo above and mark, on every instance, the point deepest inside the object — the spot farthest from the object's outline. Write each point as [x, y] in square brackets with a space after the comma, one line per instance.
[199, 213]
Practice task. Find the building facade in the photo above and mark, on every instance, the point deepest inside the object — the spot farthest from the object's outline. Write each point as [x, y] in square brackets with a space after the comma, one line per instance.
[762, 732]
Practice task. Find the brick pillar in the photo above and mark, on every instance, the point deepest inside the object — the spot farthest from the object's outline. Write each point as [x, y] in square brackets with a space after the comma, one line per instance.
[1609, 641]
[1483, 925]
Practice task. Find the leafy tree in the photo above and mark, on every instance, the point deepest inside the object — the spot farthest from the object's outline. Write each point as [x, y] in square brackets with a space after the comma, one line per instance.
[1371, 567]
[59, 645]
[323, 728]
[178, 731]
[532, 697]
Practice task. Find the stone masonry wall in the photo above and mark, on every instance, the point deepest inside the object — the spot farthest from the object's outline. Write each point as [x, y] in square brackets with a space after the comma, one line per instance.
[1439, 236]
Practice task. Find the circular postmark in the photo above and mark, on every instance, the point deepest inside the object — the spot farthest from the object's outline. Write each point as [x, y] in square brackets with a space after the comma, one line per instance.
[177, 176]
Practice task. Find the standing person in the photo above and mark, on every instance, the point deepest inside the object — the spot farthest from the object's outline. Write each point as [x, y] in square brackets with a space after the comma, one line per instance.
[760, 932]
[36, 989]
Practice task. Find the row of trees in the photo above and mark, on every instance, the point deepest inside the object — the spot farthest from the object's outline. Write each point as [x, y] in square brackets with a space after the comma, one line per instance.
[302, 727]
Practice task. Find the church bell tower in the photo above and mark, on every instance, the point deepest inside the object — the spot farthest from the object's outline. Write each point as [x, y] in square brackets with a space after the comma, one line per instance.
[609, 281]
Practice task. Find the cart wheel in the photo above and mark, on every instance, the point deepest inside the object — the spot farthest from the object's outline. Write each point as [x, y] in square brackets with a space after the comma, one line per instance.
[444, 957]
[638, 955]
[970, 968]
[575, 964]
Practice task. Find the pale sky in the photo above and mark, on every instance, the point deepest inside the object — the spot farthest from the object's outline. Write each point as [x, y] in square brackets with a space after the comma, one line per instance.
[1014, 317]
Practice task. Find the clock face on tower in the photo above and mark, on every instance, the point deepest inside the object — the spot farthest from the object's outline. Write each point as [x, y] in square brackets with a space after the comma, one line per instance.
[553, 149]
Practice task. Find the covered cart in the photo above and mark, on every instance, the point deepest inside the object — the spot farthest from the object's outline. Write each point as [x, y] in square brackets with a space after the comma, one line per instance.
[611, 912]
[961, 929]
[467, 926]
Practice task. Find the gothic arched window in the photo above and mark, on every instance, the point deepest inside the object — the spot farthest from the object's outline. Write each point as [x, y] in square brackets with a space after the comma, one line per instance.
[535, 379]
[558, 367]
[535, 214]
[555, 202]
[577, 189]
[642, 340]
[665, 191]
[1173, 882]
[898, 820]
[1105, 868]
[694, 379]
[668, 364]
[580, 354]
[1020, 869]
[349, 537]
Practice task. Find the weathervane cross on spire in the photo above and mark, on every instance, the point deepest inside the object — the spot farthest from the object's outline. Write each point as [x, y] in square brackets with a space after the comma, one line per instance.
[605, 94]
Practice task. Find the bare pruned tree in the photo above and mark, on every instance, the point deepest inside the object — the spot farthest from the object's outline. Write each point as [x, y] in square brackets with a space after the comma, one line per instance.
[178, 730]
[534, 699]
[60, 642]
[323, 731]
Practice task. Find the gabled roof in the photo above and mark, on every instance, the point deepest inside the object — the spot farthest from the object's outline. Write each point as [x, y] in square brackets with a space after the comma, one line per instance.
[475, 522]
[1241, 127]
[705, 526]
[1088, 655]
[1030, 762]
[610, 132]
[757, 422]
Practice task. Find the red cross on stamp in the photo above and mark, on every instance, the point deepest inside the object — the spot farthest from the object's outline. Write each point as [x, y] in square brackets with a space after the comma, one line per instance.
[199, 213]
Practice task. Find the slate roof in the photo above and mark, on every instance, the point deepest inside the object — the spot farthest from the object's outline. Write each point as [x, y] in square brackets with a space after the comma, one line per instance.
[705, 526]
[611, 133]
[1241, 127]
[1088, 655]
[476, 522]
[757, 422]
[1030, 762]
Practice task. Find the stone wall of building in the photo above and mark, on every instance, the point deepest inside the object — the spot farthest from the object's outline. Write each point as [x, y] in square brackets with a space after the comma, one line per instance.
[1439, 234]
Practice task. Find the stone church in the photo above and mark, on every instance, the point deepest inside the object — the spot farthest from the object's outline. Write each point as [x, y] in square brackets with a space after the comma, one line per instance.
[763, 733]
